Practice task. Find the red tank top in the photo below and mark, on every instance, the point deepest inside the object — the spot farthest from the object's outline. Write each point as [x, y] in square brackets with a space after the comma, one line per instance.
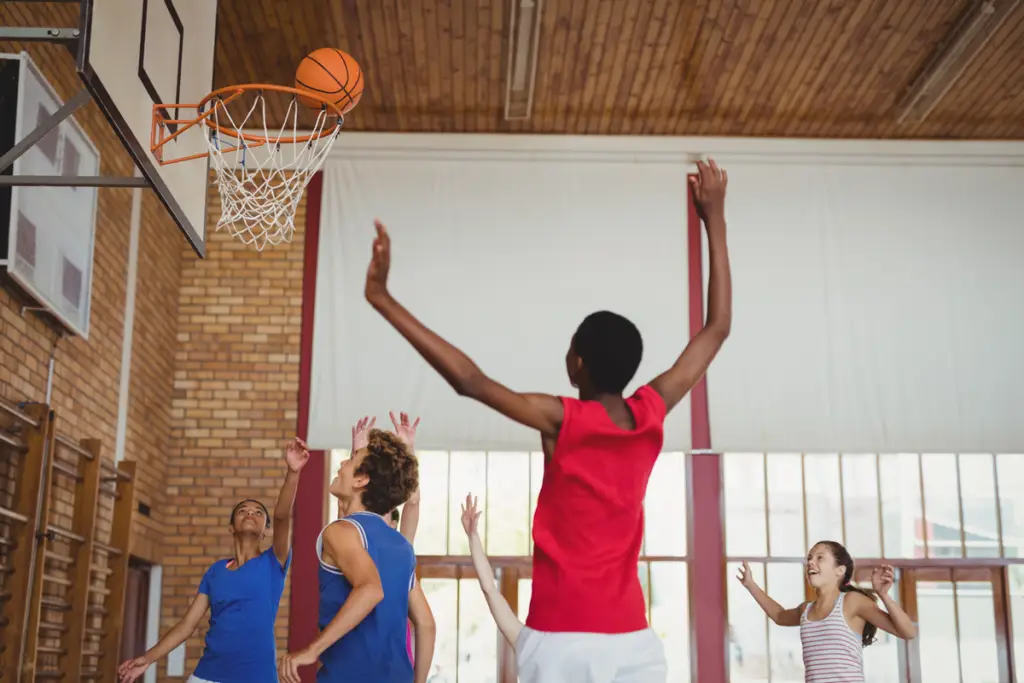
[589, 522]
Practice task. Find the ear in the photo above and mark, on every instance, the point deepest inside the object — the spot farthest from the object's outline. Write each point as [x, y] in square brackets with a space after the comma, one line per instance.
[360, 481]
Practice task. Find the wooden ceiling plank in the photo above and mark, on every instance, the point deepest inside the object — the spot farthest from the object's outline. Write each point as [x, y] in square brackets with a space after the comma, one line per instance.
[736, 34]
[701, 61]
[762, 100]
[399, 15]
[446, 104]
[644, 77]
[591, 67]
[742, 74]
[422, 66]
[496, 73]
[657, 71]
[679, 112]
[556, 15]
[603, 61]
[812, 42]
[481, 65]
[664, 115]
[457, 33]
[920, 26]
[751, 98]
[574, 27]
[617, 123]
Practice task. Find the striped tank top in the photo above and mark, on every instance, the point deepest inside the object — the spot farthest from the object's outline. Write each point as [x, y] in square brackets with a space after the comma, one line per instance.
[833, 653]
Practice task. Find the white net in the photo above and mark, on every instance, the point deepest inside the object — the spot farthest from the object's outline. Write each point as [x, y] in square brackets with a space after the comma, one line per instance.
[261, 184]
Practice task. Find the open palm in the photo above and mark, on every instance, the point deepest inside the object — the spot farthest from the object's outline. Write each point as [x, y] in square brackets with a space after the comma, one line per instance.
[297, 454]
[470, 515]
[404, 430]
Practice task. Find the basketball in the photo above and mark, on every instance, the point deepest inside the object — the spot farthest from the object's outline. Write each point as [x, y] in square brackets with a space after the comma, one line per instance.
[332, 73]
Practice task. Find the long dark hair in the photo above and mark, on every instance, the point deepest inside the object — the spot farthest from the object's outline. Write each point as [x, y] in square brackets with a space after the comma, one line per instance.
[844, 559]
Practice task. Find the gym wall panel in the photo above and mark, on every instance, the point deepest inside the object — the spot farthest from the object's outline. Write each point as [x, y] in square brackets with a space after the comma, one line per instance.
[503, 253]
[878, 304]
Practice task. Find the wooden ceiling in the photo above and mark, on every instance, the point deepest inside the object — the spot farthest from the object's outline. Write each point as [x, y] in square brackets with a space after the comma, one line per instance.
[818, 68]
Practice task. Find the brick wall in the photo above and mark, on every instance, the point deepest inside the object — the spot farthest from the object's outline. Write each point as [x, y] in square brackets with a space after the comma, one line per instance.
[87, 373]
[234, 407]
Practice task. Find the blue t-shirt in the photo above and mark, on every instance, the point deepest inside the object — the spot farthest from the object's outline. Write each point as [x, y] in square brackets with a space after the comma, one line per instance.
[375, 650]
[240, 645]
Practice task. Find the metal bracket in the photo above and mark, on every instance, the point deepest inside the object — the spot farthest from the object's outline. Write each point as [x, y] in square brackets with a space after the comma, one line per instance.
[32, 34]
[42, 130]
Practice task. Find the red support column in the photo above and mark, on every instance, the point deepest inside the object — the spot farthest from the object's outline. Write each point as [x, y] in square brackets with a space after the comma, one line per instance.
[708, 620]
[309, 501]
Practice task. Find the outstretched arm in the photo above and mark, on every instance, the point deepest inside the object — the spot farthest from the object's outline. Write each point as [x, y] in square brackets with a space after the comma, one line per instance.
[406, 431]
[297, 455]
[892, 619]
[709, 192]
[134, 668]
[776, 612]
[541, 412]
[507, 621]
[426, 633]
[343, 547]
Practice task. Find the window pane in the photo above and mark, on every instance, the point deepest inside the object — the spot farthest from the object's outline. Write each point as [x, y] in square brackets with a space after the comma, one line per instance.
[785, 506]
[536, 479]
[665, 507]
[745, 533]
[432, 534]
[901, 505]
[669, 616]
[478, 636]
[443, 596]
[1015, 587]
[978, 494]
[508, 504]
[941, 505]
[467, 473]
[748, 630]
[979, 657]
[937, 632]
[786, 586]
[824, 502]
[338, 456]
[860, 505]
[1011, 503]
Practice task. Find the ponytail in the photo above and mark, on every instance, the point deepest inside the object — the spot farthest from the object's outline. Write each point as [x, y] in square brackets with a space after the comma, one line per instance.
[868, 636]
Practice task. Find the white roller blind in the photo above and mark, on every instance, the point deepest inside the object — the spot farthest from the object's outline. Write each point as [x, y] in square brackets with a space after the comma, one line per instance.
[504, 257]
[878, 308]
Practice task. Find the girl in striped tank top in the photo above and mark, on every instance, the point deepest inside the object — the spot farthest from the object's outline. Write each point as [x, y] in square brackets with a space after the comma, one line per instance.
[842, 619]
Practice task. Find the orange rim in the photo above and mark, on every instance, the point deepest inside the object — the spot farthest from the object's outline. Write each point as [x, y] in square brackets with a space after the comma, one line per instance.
[223, 97]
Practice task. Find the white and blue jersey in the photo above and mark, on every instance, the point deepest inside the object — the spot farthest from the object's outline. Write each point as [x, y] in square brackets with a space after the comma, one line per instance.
[375, 650]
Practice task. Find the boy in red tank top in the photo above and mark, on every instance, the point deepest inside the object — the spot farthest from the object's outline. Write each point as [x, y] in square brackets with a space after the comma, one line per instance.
[587, 619]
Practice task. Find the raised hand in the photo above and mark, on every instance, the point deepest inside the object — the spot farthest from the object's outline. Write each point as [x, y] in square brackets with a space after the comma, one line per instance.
[405, 431]
[297, 454]
[361, 433]
[470, 515]
[882, 578]
[132, 669]
[380, 264]
[708, 188]
[745, 576]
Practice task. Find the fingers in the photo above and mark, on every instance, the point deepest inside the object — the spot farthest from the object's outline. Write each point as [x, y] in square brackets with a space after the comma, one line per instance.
[393, 420]
[416, 423]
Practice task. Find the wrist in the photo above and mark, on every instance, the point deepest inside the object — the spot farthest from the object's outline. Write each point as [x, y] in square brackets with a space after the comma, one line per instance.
[377, 299]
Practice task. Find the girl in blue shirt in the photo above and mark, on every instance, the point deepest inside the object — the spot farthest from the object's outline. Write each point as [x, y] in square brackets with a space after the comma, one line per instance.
[242, 594]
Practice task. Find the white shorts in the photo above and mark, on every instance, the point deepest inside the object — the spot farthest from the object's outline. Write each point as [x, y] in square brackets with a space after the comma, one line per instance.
[637, 657]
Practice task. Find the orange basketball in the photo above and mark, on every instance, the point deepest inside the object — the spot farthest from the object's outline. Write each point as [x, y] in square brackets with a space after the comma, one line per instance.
[333, 74]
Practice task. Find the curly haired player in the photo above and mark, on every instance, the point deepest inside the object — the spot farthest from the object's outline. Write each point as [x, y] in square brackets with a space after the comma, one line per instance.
[368, 587]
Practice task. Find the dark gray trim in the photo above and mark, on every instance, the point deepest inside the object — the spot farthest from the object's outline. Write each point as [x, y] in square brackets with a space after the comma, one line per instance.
[44, 127]
[39, 34]
[71, 181]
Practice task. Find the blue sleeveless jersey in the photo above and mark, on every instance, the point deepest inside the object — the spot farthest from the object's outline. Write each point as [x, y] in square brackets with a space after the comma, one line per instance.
[375, 649]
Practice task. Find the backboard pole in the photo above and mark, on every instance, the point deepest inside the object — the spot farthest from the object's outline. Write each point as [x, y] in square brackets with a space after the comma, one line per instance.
[34, 34]
[44, 127]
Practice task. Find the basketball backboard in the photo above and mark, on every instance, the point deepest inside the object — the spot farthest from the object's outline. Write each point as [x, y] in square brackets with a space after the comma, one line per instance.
[133, 54]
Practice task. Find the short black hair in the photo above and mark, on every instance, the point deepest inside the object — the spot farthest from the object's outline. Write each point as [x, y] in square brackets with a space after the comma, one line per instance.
[395, 516]
[234, 510]
[610, 347]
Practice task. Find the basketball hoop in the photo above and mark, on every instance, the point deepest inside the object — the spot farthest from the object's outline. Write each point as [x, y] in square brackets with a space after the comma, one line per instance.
[259, 191]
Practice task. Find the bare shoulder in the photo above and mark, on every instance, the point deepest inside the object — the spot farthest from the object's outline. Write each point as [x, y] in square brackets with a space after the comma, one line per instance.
[856, 602]
[342, 534]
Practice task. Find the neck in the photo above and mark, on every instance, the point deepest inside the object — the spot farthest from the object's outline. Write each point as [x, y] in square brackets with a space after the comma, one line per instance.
[588, 394]
[246, 548]
[347, 507]
[827, 595]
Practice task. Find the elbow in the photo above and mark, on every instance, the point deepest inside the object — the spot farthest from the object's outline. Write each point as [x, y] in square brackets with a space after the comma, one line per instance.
[374, 594]
[720, 328]
[909, 633]
[468, 382]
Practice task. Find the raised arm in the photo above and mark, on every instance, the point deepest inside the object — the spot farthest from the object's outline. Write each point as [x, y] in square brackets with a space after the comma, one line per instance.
[507, 621]
[134, 668]
[776, 612]
[343, 547]
[426, 633]
[708, 189]
[296, 455]
[892, 619]
[411, 510]
[541, 412]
